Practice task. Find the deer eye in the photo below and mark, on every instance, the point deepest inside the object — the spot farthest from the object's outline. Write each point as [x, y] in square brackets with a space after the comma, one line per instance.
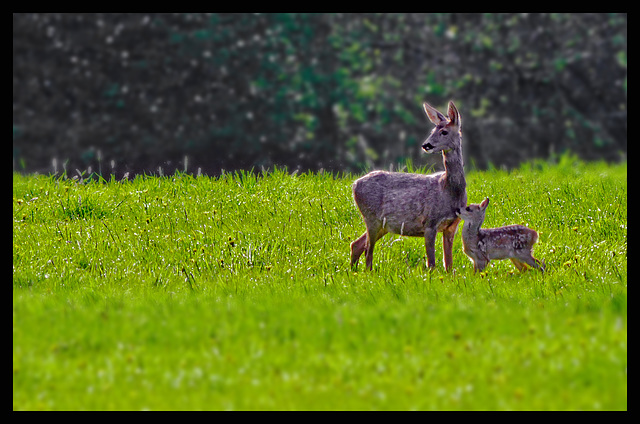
[468, 210]
[444, 132]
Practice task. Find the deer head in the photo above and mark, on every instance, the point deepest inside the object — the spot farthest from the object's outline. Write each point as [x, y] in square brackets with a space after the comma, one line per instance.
[473, 211]
[446, 135]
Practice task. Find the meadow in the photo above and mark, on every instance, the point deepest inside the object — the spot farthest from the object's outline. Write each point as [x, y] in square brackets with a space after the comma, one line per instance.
[235, 293]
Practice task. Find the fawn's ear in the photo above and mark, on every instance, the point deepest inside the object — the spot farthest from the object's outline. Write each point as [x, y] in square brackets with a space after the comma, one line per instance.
[433, 115]
[454, 115]
[484, 203]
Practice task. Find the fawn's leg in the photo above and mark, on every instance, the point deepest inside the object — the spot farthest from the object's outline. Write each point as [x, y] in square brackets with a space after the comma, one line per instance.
[372, 237]
[447, 244]
[541, 264]
[430, 246]
[479, 265]
[519, 264]
[530, 260]
[357, 248]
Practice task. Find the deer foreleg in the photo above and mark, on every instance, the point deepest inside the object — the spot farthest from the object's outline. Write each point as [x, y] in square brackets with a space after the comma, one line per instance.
[447, 244]
[430, 246]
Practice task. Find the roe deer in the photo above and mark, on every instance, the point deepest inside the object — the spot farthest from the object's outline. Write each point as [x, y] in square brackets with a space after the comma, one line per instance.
[416, 205]
[511, 242]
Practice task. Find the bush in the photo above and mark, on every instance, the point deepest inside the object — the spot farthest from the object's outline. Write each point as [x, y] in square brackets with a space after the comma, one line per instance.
[311, 91]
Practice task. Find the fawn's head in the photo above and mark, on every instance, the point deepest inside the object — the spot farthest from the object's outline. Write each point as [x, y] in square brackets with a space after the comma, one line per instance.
[473, 211]
[446, 135]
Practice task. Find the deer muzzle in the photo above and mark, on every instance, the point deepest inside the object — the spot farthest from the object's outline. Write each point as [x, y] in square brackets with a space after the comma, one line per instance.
[427, 147]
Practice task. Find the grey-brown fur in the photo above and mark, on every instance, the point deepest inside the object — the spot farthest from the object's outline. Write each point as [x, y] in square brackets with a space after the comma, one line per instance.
[511, 242]
[415, 204]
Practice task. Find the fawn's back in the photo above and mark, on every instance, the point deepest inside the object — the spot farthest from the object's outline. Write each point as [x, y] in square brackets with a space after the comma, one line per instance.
[506, 242]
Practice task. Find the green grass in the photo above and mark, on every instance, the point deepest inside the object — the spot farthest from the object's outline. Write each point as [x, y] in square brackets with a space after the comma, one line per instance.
[235, 292]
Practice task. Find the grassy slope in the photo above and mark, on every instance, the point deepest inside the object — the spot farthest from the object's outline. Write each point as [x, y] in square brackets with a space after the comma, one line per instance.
[235, 293]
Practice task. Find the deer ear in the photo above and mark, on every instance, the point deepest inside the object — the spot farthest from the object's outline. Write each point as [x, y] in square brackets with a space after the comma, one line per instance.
[484, 203]
[454, 115]
[433, 115]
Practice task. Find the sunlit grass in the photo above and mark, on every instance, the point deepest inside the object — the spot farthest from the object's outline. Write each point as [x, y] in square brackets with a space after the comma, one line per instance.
[235, 292]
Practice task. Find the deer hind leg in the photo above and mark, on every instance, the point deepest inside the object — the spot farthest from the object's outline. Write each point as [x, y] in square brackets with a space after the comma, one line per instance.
[357, 248]
[372, 236]
[519, 264]
[447, 244]
[540, 264]
[533, 262]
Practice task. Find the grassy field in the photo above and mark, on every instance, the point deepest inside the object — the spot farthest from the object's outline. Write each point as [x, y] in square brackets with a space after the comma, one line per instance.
[235, 292]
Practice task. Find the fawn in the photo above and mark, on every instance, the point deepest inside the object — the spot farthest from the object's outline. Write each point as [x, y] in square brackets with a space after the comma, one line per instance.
[511, 242]
[416, 205]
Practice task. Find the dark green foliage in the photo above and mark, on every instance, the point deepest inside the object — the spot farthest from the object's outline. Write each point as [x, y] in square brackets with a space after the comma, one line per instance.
[311, 91]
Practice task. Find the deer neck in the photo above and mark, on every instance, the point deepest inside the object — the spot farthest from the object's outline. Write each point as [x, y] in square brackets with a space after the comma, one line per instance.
[454, 172]
[471, 230]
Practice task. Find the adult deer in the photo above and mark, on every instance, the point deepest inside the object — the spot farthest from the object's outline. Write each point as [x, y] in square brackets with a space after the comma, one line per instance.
[416, 205]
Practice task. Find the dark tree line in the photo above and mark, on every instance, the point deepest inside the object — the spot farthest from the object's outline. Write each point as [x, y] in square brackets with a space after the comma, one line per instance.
[309, 91]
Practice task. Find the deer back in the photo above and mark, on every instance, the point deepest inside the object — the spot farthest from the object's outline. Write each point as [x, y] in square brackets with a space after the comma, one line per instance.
[406, 203]
[507, 242]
